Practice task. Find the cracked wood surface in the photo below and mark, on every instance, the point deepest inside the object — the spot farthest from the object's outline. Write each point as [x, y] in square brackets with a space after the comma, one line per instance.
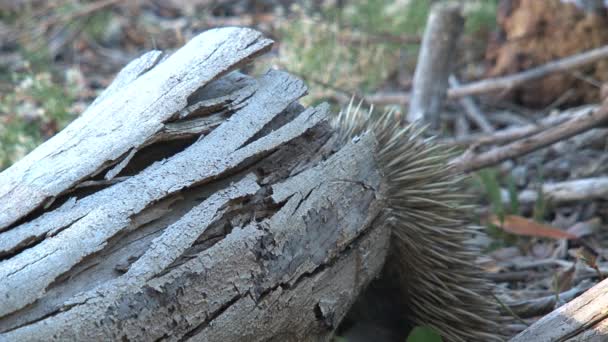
[96, 218]
[231, 220]
[117, 123]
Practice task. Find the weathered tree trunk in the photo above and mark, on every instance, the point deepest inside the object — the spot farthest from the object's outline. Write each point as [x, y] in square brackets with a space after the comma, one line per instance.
[190, 202]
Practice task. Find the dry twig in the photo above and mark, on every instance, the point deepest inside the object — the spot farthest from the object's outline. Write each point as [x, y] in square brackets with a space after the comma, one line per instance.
[567, 191]
[472, 111]
[511, 81]
[470, 161]
[518, 132]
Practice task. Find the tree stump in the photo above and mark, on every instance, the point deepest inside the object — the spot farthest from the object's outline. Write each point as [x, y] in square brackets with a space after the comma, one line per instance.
[190, 202]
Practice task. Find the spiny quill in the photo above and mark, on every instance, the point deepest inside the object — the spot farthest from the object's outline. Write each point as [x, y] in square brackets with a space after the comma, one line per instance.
[432, 251]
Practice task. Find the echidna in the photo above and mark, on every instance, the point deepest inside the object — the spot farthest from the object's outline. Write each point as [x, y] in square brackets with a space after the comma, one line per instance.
[436, 263]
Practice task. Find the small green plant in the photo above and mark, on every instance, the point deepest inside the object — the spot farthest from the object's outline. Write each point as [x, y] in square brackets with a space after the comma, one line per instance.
[321, 53]
[513, 197]
[344, 49]
[490, 182]
[424, 334]
[540, 205]
[491, 185]
[40, 98]
[480, 16]
[385, 16]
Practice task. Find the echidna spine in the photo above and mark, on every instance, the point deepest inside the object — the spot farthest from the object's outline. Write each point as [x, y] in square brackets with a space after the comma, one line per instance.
[430, 221]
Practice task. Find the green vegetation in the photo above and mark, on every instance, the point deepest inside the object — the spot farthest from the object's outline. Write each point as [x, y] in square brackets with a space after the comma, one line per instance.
[356, 49]
[97, 24]
[351, 50]
[38, 107]
[424, 334]
[40, 95]
[541, 204]
[490, 182]
[480, 16]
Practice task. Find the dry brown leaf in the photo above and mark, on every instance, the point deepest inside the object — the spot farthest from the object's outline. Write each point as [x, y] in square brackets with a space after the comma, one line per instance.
[518, 225]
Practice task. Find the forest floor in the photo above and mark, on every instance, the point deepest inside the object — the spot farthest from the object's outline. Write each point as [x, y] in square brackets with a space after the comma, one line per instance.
[545, 212]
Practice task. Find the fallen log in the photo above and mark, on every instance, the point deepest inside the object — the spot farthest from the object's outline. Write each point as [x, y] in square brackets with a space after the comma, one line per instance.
[190, 202]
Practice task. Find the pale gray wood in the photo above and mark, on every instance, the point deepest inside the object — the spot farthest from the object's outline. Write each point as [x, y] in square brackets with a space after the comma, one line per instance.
[471, 109]
[117, 124]
[178, 237]
[441, 34]
[95, 219]
[127, 75]
[239, 88]
[583, 319]
[238, 218]
[68, 213]
[325, 293]
[311, 258]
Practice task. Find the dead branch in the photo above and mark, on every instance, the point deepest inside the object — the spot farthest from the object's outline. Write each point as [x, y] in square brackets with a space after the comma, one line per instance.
[512, 81]
[19, 192]
[434, 63]
[543, 305]
[388, 98]
[567, 191]
[518, 132]
[471, 161]
[353, 37]
[472, 111]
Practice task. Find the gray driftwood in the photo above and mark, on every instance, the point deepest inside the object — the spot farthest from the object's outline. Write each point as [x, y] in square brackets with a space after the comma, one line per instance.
[584, 319]
[190, 202]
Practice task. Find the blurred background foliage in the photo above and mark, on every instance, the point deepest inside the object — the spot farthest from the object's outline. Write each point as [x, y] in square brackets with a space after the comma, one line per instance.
[56, 56]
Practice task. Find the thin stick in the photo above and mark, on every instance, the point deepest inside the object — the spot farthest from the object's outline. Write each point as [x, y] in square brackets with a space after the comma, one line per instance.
[461, 125]
[511, 81]
[473, 112]
[349, 35]
[509, 311]
[514, 133]
[385, 98]
[575, 190]
[470, 161]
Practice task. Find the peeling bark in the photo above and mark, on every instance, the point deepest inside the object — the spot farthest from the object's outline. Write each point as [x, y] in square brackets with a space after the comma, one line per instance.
[191, 202]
